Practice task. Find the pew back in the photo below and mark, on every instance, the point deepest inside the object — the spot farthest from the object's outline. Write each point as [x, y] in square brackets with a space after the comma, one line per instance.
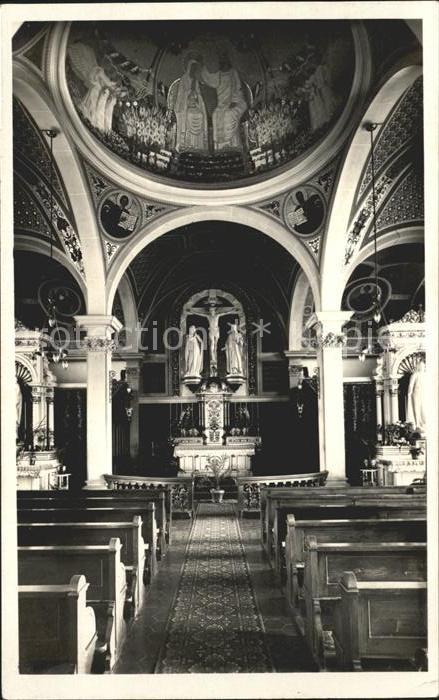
[378, 620]
[104, 572]
[57, 630]
[345, 530]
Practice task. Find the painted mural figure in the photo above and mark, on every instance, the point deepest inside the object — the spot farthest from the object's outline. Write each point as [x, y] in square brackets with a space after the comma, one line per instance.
[231, 104]
[416, 397]
[234, 348]
[193, 354]
[321, 104]
[98, 104]
[190, 111]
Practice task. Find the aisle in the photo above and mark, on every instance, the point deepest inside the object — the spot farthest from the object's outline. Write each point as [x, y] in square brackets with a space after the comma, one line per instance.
[215, 626]
[214, 606]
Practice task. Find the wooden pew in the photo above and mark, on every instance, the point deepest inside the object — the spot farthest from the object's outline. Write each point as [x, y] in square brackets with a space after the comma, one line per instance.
[106, 593]
[376, 620]
[73, 533]
[122, 513]
[345, 530]
[106, 498]
[352, 503]
[324, 566]
[271, 497]
[57, 630]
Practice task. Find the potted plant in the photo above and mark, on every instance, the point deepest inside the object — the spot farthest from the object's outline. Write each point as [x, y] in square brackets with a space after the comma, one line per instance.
[218, 467]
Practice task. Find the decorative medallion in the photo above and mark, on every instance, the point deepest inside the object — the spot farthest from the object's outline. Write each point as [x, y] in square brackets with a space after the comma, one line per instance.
[304, 210]
[119, 214]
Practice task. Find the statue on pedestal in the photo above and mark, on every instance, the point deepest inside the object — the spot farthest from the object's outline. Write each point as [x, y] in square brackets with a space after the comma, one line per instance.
[18, 406]
[193, 354]
[234, 348]
[416, 397]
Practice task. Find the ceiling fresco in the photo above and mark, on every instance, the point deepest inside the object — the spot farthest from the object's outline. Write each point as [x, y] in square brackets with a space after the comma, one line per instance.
[213, 103]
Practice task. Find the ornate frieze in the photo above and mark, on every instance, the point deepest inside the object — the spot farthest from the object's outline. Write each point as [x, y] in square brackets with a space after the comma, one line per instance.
[96, 344]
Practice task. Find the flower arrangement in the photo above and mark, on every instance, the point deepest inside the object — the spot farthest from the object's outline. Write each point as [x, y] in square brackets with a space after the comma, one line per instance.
[399, 434]
[218, 467]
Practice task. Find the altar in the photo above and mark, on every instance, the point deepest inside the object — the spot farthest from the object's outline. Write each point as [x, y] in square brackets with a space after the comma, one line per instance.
[217, 434]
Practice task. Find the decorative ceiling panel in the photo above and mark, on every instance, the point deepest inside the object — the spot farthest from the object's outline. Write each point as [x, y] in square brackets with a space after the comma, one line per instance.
[211, 103]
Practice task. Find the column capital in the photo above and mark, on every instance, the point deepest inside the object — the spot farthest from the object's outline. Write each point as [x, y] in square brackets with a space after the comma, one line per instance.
[329, 321]
[99, 332]
[98, 325]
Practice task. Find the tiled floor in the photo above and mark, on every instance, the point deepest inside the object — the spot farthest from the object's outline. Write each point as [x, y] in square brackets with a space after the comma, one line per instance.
[148, 632]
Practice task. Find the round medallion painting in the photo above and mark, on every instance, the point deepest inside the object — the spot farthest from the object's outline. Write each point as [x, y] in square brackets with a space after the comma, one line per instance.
[119, 214]
[304, 210]
[209, 102]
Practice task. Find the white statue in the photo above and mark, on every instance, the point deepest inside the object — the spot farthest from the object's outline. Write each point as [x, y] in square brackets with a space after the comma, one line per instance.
[415, 398]
[18, 405]
[234, 348]
[193, 354]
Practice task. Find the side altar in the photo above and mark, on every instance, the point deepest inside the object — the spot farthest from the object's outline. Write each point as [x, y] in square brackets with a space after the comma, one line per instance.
[219, 433]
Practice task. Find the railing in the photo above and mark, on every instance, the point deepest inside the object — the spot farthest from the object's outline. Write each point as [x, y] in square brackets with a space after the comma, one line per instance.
[181, 488]
[249, 488]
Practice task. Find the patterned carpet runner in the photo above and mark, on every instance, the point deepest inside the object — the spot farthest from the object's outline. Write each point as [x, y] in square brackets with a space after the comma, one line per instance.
[214, 626]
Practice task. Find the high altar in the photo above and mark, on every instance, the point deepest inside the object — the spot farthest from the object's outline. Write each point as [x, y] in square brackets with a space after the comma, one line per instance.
[216, 437]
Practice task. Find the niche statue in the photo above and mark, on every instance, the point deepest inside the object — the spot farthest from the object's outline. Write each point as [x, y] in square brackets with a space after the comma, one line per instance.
[193, 355]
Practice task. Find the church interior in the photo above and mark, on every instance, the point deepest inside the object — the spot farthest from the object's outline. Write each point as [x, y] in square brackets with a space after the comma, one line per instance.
[220, 347]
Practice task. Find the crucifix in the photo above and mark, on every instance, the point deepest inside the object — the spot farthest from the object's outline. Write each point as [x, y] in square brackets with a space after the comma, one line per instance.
[213, 312]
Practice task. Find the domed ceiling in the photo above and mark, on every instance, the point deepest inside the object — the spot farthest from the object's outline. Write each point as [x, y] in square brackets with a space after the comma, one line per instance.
[210, 102]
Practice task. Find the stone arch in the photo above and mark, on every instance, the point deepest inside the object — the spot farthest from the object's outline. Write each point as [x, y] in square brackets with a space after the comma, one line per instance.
[398, 236]
[30, 89]
[241, 215]
[332, 265]
[297, 311]
[34, 245]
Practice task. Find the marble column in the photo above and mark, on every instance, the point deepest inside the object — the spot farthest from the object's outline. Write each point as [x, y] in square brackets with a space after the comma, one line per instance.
[379, 389]
[99, 345]
[329, 343]
[38, 414]
[133, 365]
[50, 418]
[394, 404]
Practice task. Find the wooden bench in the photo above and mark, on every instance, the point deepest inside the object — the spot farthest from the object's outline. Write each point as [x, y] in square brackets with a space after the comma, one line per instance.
[380, 620]
[106, 593]
[106, 498]
[332, 506]
[122, 513]
[326, 563]
[73, 533]
[57, 630]
[344, 530]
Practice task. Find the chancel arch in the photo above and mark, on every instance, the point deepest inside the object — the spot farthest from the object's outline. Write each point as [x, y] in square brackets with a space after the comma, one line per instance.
[240, 215]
